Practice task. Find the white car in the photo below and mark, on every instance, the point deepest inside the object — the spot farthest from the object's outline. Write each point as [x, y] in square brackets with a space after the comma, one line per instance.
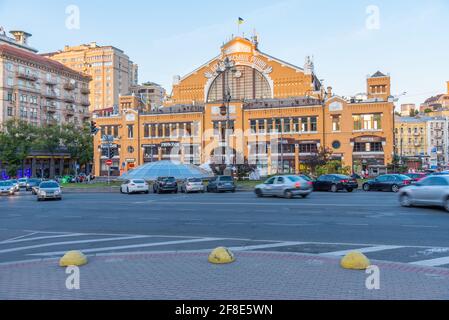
[135, 186]
[192, 185]
[7, 188]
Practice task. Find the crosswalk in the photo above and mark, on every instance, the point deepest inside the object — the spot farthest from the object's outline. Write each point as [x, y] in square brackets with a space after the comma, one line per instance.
[32, 245]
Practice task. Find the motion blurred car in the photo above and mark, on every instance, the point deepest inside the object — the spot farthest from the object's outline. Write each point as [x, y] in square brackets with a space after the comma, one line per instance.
[416, 176]
[49, 190]
[192, 185]
[335, 183]
[16, 184]
[7, 188]
[134, 186]
[388, 182]
[165, 184]
[22, 183]
[431, 191]
[285, 186]
[221, 184]
[33, 183]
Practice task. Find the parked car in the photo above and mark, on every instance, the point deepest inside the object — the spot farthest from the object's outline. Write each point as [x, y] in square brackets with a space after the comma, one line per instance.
[387, 182]
[165, 184]
[22, 182]
[416, 176]
[335, 183]
[33, 183]
[221, 184]
[134, 186]
[7, 188]
[305, 177]
[16, 184]
[285, 186]
[49, 190]
[431, 191]
[192, 185]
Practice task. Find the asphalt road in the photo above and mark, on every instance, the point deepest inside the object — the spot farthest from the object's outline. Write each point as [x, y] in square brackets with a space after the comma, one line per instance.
[325, 223]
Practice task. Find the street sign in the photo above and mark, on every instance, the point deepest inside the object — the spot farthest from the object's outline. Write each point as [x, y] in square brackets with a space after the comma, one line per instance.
[109, 163]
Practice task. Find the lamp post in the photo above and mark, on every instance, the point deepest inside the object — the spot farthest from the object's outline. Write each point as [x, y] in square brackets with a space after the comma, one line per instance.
[224, 67]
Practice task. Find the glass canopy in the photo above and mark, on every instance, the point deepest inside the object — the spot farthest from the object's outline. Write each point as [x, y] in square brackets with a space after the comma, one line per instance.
[152, 171]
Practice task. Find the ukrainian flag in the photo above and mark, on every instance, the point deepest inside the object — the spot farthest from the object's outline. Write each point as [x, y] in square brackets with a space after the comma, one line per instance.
[241, 21]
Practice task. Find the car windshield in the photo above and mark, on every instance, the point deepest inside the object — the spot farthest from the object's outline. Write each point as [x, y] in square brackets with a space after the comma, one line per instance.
[13, 181]
[194, 180]
[23, 180]
[168, 179]
[139, 181]
[340, 176]
[49, 185]
[34, 181]
[306, 178]
[5, 184]
[226, 179]
[403, 177]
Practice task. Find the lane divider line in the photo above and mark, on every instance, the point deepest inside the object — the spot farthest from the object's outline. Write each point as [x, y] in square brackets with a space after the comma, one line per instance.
[362, 250]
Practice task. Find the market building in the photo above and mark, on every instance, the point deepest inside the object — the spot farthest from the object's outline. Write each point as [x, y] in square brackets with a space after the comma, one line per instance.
[245, 106]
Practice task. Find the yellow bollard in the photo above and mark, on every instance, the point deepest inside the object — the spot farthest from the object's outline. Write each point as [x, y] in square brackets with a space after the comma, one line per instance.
[355, 261]
[221, 255]
[73, 258]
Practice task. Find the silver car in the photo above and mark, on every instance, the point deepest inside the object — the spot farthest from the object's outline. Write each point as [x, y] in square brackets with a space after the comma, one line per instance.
[285, 186]
[431, 191]
[49, 190]
[192, 185]
[7, 188]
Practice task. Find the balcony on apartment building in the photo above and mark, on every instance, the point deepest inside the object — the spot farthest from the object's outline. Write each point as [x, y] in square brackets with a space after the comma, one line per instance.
[70, 111]
[51, 95]
[50, 82]
[27, 75]
[85, 91]
[49, 108]
[85, 103]
[69, 98]
[51, 121]
[68, 86]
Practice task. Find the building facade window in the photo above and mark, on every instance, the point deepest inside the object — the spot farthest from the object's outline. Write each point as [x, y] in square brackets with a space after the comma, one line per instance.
[367, 122]
[336, 126]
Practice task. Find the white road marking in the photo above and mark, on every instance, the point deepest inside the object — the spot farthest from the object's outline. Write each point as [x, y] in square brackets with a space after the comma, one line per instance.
[362, 250]
[353, 224]
[40, 238]
[70, 243]
[418, 226]
[289, 224]
[21, 237]
[432, 262]
[266, 246]
[143, 245]
[263, 204]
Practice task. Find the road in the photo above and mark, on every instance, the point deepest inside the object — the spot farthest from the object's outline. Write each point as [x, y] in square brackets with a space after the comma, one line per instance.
[325, 223]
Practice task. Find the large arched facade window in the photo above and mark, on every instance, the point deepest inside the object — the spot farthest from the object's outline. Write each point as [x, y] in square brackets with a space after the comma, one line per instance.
[246, 84]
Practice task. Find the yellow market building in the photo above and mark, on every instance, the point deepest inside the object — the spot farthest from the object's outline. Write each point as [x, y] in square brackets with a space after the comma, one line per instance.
[257, 109]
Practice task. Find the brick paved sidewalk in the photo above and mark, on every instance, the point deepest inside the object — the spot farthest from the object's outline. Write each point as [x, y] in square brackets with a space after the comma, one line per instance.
[188, 275]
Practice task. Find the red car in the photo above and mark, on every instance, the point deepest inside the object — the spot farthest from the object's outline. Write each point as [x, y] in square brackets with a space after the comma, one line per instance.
[416, 177]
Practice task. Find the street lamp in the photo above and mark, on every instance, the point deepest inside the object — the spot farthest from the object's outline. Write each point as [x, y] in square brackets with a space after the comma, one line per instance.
[224, 67]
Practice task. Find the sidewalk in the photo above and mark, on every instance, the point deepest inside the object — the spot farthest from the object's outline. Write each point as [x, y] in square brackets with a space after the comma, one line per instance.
[188, 275]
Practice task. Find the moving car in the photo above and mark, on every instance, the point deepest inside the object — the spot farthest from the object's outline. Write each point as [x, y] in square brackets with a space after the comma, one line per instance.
[285, 186]
[134, 186]
[165, 184]
[335, 183]
[16, 184]
[33, 183]
[49, 190]
[22, 182]
[7, 188]
[387, 182]
[192, 185]
[221, 184]
[416, 176]
[431, 191]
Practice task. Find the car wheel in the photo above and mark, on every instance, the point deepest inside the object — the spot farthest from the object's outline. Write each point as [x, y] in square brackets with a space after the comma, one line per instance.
[366, 187]
[176, 191]
[127, 190]
[147, 192]
[349, 190]
[288, 194]
[121, 190]
[395, 188]
[259, 193]
[405, 200]
[446, 204]
[334, 188]
[304, 196]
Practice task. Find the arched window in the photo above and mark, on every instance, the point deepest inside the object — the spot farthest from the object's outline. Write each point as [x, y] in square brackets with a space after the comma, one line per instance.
[246, 83]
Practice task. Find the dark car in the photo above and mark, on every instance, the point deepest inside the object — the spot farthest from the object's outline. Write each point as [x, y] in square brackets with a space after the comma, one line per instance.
[388, 182]
[221, 184]
[416, 177]
[165, 184]
[33, 183]
[335, 183]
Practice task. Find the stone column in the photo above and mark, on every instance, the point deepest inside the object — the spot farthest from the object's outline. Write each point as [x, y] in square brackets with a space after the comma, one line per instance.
[61, 167]
[269, 168]
[297, 160]
[160, 154]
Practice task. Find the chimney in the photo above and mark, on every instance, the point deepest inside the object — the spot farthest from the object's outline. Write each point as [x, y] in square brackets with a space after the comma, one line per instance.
[329, 92]
[21, 37]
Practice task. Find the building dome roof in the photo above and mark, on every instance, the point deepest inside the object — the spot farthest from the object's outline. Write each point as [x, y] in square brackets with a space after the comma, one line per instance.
[152, 171]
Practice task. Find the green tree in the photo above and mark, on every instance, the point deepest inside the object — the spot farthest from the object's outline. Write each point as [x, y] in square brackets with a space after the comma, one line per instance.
[79, 143]
[16, 141]
[428, 110]
[318, 159]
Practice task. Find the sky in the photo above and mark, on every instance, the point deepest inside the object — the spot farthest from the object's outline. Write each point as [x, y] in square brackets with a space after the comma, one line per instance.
[348, 39]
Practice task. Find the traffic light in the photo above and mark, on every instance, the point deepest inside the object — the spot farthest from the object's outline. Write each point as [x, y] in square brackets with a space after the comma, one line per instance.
[111, 153]
[93, 128]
